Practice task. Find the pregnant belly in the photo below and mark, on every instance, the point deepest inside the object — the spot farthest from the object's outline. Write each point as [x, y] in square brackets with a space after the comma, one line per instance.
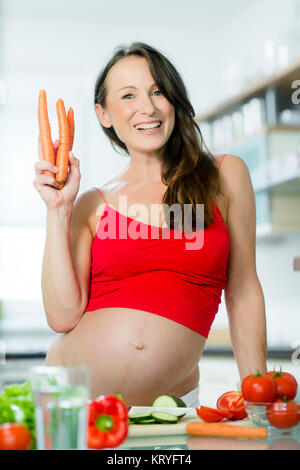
[138, 354]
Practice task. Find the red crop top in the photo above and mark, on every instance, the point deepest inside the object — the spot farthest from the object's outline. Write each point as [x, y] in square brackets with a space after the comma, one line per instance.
[159, 275]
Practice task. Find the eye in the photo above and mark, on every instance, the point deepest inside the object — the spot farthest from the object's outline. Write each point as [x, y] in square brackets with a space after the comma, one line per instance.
[129, 94]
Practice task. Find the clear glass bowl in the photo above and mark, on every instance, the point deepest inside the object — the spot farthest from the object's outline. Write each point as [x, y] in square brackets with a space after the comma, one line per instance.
[274, 416]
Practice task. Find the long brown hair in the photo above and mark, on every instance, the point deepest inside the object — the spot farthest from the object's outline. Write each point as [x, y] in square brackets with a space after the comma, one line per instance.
[189, 172]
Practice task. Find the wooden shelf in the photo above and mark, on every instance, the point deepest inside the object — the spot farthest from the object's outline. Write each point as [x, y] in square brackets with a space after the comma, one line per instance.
[281, 175]
[281, 79]
[263, 130]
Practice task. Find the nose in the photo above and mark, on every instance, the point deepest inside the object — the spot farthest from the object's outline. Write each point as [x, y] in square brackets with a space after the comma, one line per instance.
[146, 104]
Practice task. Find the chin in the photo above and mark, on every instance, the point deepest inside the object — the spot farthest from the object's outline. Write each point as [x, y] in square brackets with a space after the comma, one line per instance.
[151, 148]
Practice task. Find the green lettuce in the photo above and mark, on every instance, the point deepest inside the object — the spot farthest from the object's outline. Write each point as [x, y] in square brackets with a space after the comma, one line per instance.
[17, 406]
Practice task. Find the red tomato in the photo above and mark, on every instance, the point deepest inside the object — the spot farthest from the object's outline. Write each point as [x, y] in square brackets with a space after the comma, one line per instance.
[14, 436]
[258, 388]
[211, 415]
[283, 414]
[286, 384]
[232, 402]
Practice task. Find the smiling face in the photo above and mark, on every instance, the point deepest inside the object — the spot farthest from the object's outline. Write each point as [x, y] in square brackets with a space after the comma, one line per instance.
[134, 101]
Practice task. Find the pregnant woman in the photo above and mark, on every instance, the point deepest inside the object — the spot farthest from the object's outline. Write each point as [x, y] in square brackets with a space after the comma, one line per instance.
[132, 303]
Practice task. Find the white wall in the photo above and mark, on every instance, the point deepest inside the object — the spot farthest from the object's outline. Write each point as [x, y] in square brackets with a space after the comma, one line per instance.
[61, 46]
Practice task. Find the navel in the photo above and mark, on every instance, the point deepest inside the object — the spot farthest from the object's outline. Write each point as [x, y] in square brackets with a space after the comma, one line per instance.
[139, 345]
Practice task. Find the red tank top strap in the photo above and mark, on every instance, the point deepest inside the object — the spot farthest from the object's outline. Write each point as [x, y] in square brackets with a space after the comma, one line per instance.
[101, 193]
[221, 160]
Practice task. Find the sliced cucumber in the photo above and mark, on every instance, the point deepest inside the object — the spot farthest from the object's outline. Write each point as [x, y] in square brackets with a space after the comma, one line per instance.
[180, 402]
[146, 421]
[168, 401]
[162, 417]
[138, 417]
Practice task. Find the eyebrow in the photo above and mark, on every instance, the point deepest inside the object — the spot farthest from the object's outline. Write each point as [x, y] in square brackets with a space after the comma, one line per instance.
[131, 86]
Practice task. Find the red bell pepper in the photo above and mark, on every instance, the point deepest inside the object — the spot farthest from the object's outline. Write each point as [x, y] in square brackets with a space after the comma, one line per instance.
[108, 422]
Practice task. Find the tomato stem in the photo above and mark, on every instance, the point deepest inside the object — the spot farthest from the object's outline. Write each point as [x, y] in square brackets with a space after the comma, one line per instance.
[284, 398]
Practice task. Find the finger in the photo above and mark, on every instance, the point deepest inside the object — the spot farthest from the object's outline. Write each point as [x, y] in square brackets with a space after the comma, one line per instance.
[73, 163]
[41, 165]
[56, 143]
[43, 180]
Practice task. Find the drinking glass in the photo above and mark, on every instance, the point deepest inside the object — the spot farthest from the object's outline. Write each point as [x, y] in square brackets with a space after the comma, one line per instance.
[61, 396]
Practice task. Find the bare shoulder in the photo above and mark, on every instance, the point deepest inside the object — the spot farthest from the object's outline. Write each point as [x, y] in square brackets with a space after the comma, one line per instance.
[86, 200]
[234, 173]
[88, 207]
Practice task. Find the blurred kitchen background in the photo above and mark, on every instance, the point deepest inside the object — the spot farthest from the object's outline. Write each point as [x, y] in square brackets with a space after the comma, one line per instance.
[240, 61]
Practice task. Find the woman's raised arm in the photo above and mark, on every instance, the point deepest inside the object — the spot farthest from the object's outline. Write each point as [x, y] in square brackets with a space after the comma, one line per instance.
[66, 260]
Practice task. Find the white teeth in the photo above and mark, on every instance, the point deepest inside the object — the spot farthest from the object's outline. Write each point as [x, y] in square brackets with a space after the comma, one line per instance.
[149, 126]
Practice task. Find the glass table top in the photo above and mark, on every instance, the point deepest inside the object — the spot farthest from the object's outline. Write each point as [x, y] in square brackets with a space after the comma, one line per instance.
[277, 440]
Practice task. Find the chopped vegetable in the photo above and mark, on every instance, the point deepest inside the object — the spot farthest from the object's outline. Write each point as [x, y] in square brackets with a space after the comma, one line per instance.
[16, 406]
[163, 417]
[146, 421]
[14, 436]
[155, 417]
[211, 415]
[168, 401]
[226, 430]
[139, 417]
[108, 422]
[232, 402]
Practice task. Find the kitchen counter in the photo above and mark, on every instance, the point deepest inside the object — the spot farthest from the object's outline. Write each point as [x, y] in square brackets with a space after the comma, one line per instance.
[174, 436]
[277, 441]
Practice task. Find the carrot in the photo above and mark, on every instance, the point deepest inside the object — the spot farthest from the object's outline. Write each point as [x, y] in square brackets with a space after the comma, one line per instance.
[197, 428]
[71, 126]
[62, 157]
[45, 131]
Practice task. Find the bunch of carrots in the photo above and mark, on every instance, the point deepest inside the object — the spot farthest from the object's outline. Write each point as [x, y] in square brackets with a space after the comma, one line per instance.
[66, 137]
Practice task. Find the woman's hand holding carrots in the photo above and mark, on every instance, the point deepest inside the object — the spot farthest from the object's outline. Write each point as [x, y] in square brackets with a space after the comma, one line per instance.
[58, 187]
[47, 185]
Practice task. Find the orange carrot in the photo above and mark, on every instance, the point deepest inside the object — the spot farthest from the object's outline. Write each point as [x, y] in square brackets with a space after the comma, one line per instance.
[62, 157]
[45, 131]
[197, 428]
[71, 126]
